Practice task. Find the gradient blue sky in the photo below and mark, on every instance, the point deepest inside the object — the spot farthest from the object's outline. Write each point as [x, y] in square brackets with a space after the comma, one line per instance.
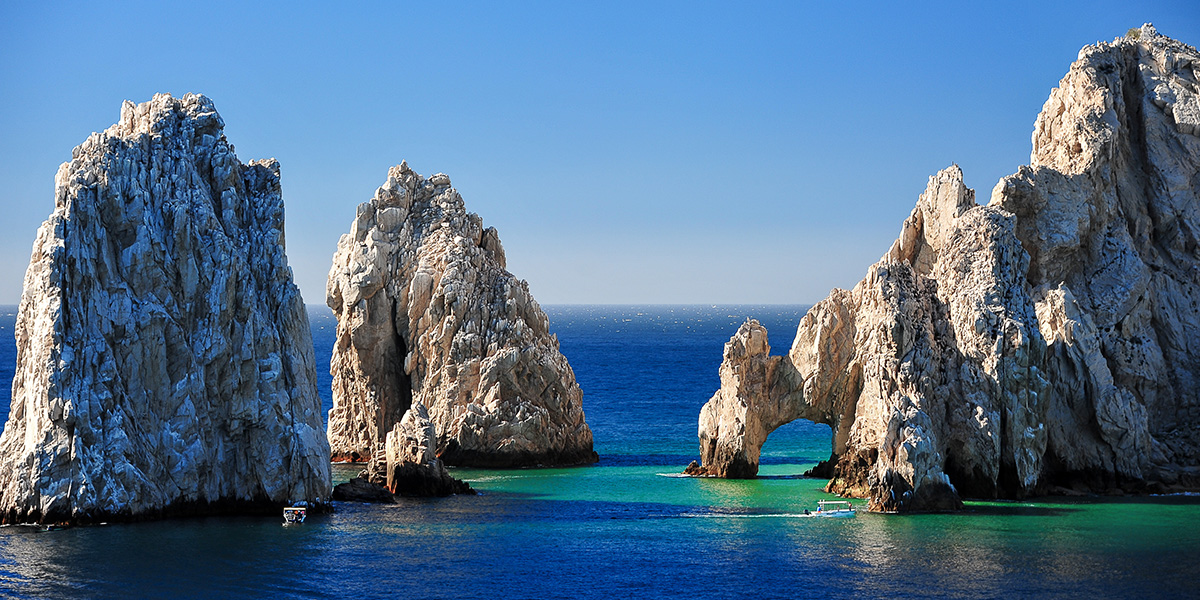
[674, 152]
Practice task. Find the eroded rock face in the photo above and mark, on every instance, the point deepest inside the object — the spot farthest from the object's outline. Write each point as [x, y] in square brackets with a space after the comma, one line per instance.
[164, 359]
[1046, 339]
[1110, 213]
[428, 314]
[408, 465]
[750, 404]
[412, 465]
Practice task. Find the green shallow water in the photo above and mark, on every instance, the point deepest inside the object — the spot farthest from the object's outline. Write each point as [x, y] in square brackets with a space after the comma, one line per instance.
[604, 532]
[1046, 547]
[779, 490]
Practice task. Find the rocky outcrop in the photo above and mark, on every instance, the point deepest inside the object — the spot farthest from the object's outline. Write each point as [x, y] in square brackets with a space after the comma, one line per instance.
[428, 314]
[413, 468]
[1041, 342]
[750, 404]
[1109, 211]
[409, 465]
[164, 359]
[362, 489]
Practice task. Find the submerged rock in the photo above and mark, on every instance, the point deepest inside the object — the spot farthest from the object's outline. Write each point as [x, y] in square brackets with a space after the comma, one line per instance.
[164, 359]
[1043, 341]
[427, 314]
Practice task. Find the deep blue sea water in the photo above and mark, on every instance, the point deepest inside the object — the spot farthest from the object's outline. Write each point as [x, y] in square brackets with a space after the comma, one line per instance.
[626, 526]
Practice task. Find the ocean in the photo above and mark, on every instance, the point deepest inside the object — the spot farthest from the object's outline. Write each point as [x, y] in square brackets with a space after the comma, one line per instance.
[626, 526]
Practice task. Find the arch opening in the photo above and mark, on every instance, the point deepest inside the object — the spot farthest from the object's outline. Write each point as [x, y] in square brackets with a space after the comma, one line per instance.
[795, 448]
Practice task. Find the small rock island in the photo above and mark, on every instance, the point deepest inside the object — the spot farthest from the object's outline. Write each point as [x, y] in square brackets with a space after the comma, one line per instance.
[429, 316]
[164, 360]
[1046, 342]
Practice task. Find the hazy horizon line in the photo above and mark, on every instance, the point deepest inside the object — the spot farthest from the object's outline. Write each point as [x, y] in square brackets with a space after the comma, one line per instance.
[579, 304]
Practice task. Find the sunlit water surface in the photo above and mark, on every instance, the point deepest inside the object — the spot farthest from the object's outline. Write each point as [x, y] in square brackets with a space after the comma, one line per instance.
[627, 526]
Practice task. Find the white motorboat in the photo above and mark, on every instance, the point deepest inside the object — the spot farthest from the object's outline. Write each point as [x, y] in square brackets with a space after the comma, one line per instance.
[834, 508]
[294, 514]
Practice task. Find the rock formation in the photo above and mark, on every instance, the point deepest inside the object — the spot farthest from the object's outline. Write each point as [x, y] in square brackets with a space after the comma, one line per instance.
[413, 468]
[1047, 340]
[428, 314]
[749, 405]
[362, 489]
[164, 360]
[409, 465]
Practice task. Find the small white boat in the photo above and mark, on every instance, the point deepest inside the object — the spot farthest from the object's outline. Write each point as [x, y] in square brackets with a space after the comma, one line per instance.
[834, 508]
[294, 514]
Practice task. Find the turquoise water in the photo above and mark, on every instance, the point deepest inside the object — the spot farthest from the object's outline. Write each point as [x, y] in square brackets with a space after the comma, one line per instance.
[627, 526]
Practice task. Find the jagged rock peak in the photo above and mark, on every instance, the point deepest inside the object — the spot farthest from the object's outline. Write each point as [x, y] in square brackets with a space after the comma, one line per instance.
[1042, 342]
[164, 359]
[1104, 93]
[427, 313]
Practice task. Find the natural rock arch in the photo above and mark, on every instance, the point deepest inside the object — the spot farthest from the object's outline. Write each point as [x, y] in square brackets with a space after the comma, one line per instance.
[1045, 339]
[883, 364]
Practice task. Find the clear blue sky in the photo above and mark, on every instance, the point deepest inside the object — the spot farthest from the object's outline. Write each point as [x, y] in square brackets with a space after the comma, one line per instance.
[645, 152]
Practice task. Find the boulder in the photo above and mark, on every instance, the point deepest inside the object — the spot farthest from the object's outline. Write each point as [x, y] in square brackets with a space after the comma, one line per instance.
[362, 489]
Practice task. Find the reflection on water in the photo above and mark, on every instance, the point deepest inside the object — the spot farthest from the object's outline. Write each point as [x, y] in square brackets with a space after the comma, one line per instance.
[602, 531]
[1044, 549]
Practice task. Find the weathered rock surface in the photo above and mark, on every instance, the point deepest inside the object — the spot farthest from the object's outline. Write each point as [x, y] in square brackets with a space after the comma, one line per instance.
[1109, 210]
[428, 314]
[408, 465]
[411, 464]
[164, 359]
[748, 406]
[1047, 340]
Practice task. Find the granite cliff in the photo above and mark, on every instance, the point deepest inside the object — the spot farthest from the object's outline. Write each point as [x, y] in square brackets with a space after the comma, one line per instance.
[1048, 341]
[428, 315]
[164, 360]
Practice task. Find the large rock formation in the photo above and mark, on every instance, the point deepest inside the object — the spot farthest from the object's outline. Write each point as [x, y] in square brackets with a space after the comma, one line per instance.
[428, 314]
[164, 360]
[1048, 339]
